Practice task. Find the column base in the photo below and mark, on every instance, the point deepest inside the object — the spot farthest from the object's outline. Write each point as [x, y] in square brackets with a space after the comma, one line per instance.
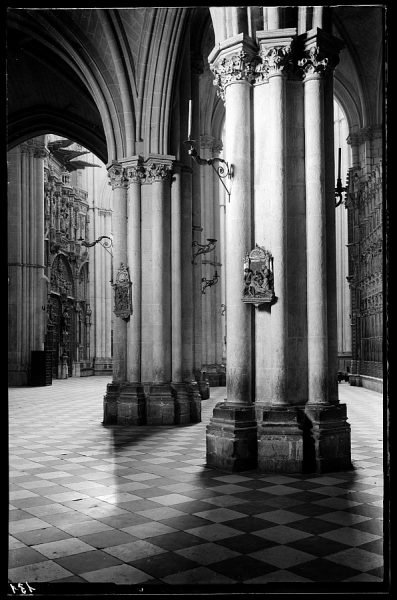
[110, 404]
[281, 439]
[195, 402]
[131, 405]
[103, 366]
[215, 375]
[182, 402]
[160, 405]
[232, 438]
[330, 434]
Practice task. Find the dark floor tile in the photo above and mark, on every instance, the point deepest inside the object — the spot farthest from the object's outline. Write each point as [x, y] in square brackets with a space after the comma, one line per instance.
[124, 520]
[41, 536]
[138, 505]
[302, 485]
[375, 546]
[366, 510]
[359, 497]
[283, 501]
[253, 507]
[311, 510]
[313, 525]
[375, 526]
[32, 501]
[247, 524]
[378, 572]
[322, 569]
[104, 539]
[184, 522]
[245, 543]
[201, 494]
[193, 506]
[176, 541]
[318, 545]
[147, 492]
[16, 515]
[241, 568]
[24, 556]
[71, 579]
[87, 561]
[164, 564]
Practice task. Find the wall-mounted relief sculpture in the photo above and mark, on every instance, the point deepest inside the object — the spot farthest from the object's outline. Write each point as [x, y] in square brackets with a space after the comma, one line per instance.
[122, 293]
[258, 277]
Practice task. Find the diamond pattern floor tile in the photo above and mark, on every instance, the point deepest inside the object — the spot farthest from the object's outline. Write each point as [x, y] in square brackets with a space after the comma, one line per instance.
[137, 506]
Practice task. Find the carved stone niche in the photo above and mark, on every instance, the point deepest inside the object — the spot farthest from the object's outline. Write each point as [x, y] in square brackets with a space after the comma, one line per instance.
[258, 277]
[122, 293]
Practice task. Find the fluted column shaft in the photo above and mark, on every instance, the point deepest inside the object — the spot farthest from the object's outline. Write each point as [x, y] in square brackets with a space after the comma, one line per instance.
[316, 236]
[119, 226]
[134, 335]
[238, 240]
[161, 278]
[176, 275]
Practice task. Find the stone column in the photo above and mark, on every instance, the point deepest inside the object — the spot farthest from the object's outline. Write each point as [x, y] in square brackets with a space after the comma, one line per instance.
[179, 294]
[26, 292]
[131, 404]
[119, 184]
[160, 409]
[280, 438]
[188, 295]
[231, 434]
[330, 433]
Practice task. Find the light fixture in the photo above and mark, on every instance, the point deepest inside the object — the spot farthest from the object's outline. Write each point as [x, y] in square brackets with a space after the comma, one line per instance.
[203, 248]
[209, 282]
[108, 243]
[220, 166]
[339, 190]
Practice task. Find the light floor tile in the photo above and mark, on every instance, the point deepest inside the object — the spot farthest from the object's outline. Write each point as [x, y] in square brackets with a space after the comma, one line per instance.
[282, 557]
[134, 550]
[63, 548]
[38, 572]
[121, 574]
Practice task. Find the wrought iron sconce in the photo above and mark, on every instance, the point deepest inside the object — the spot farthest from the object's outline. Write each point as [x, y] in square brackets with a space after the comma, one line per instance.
[209, 282]
[223, 309]
[339, 189]
[220, 166]
[108, 243]
[203, 248]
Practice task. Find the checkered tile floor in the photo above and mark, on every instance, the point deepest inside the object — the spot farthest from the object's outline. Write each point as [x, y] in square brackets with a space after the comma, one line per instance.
[137, 505]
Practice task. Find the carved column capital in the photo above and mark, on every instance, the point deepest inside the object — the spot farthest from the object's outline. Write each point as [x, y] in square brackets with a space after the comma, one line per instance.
[135, 173]
[155, 171]
[320, 55]
[276, 60]
[238, 65]
[117, 178]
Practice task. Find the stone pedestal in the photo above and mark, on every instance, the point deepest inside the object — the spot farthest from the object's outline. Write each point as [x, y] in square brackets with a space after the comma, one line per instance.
[330, 438]
[131, 405]
[281, 439]
[110, 404]
[182, 403]
[195, 402]
[160, 405]
[232, 438]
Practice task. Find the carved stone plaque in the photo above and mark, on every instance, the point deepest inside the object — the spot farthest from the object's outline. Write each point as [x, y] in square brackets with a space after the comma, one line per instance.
[122, 293]
[258, 277]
